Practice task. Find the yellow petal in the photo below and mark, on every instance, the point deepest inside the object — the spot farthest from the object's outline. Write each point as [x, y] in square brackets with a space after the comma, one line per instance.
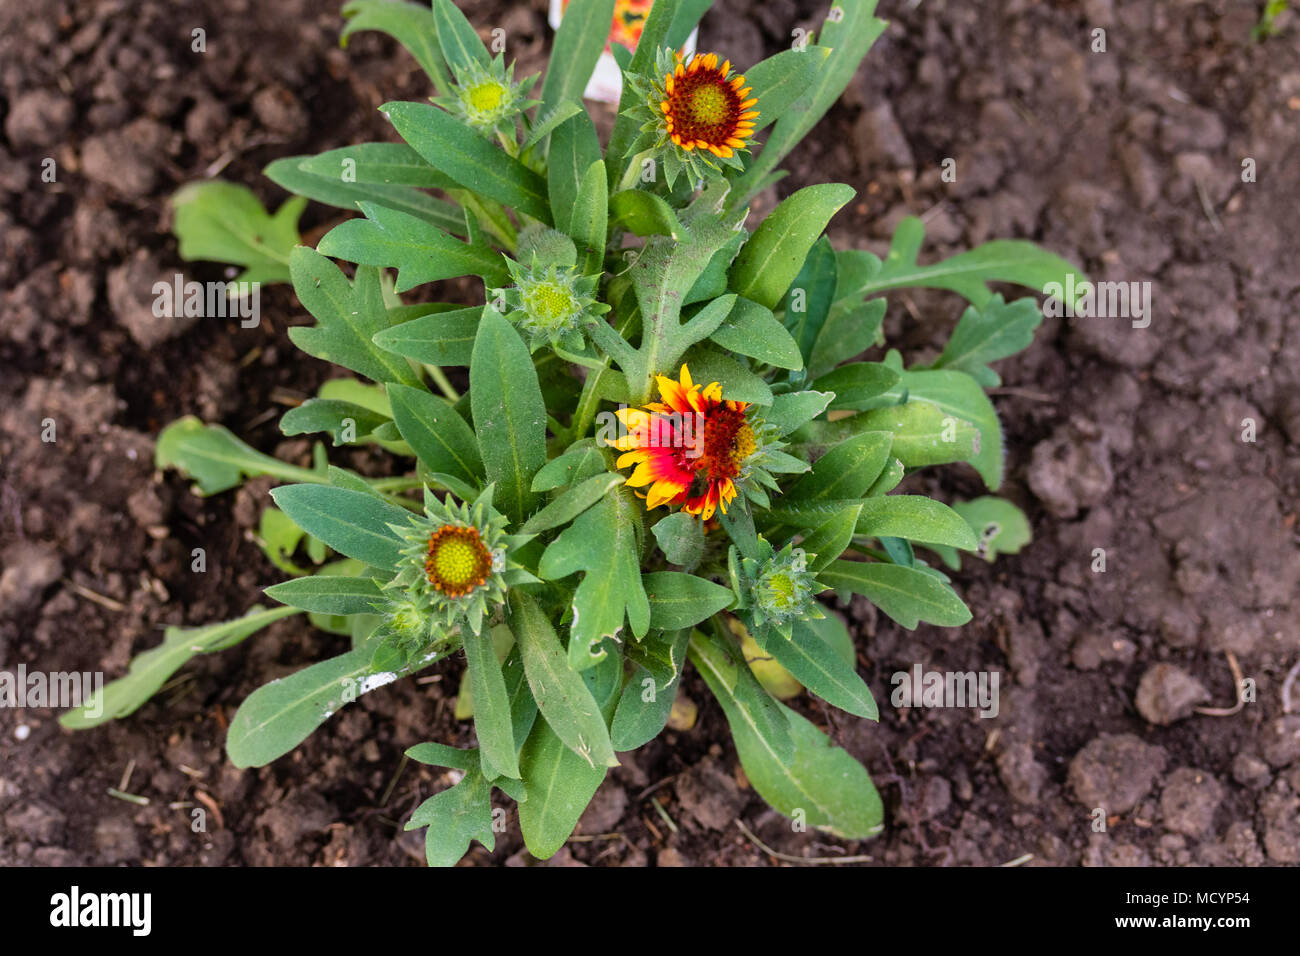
[641, 476]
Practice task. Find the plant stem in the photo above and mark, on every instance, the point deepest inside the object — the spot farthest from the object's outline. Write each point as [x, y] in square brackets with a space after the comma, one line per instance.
[633, 171]
[444, 385]
[585, 413]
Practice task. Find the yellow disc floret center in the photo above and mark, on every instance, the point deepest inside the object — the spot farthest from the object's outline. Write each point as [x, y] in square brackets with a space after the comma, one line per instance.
[743, 445]
[458, 561]
[549, 303]
[709, 105]
[782, 591]
[486, 96]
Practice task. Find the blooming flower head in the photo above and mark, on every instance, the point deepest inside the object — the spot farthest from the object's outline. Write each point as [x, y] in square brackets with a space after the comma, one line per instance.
[454, 569]
[690, 449]
[700, 114]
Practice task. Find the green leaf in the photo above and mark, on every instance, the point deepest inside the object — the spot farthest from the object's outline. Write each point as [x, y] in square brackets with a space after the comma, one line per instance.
[780, 80]
[571, 503]
[602, 542]
[817, 666]
[857, 382]
[737, 381]
[643, 213]
[661, 274]
[216, 459]
[333, 191]
[333, 416]
[808, 301]
[348, 314]
[454, 817]
[574, 147]
[957, 396]
[280, 715]
[713, 280]
[681, 538]
[582, 460]
[546, 122]
[1000, 526]
[751, 329]
[442, 440]
[849, 31]
[223, 222]
[468, 158]
[647, 698]
[589, 219]
[968, 273]
[847, 470]
[988, 334]
[791, 410]
[679, 600]
[686, 18]
[834, 790]
[908, 595]
[916, 518]
[418, 251]
[770, 260]
[329, 594]
[560, 782]
[440, 755]
[566, 704]
[411, 24]
[153, 668]
[492, 720]
[888, 480]
[386, 164]
[749, 708]
[850, 329]
[440, 338]
[509, 414]
[924, 433]
[829, 539]
[278, 537]
[461, 46]
[353, 523]
[579, 41]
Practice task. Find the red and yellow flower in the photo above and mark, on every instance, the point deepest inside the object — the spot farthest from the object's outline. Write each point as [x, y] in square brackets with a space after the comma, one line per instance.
[689, 449]
[696, 115]
[705, 107]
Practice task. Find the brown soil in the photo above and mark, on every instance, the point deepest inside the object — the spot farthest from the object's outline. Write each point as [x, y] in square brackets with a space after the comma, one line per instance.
[1129, 440]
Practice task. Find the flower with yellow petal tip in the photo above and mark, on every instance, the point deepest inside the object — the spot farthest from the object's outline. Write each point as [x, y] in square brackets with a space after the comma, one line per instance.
[697, 114]
[690, 449]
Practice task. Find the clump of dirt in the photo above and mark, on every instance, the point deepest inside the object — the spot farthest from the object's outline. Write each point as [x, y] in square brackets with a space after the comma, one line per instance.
[1158, 464]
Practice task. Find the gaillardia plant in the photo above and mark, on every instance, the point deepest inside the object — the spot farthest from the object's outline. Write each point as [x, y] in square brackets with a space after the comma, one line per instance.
[670, 449]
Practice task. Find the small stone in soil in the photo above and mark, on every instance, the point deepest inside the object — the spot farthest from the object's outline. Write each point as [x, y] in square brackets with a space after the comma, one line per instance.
[1189, 800]
[1167, 694]
[1115, 771]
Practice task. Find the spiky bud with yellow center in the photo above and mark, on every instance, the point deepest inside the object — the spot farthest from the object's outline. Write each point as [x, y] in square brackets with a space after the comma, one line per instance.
[487, 98]
[551, 300]
[780, 589]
